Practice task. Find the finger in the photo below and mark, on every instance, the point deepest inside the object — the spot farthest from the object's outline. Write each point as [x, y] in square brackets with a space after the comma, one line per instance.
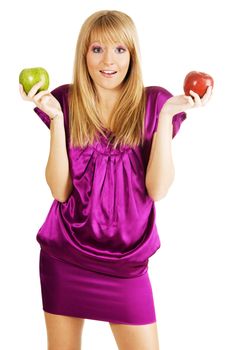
[196, 98]
[189, 100]
[21, 90]
[40, 94]
[209, 91]
[23, 93]
[207, 95]
[35, 88]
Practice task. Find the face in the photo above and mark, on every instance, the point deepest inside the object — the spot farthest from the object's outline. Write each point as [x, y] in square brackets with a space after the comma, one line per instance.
[107, 64]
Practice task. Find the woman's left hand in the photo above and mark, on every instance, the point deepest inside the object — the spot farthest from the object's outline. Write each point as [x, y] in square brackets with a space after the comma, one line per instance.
[181, 103]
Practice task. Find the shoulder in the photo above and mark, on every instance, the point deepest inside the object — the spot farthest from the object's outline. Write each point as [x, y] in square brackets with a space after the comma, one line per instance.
[61, 90]
[156, 96]
[157, 91]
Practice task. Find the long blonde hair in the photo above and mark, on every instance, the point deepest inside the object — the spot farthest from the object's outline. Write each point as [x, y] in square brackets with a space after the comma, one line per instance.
[127, 119]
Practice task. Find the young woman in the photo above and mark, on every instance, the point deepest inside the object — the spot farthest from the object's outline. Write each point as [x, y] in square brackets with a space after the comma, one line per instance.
[110, 159]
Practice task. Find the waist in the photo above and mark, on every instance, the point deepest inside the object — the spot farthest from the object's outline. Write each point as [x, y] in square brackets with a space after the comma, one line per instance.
[117, 268]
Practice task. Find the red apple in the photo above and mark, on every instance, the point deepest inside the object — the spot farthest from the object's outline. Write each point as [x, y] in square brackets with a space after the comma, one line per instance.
[197, 82]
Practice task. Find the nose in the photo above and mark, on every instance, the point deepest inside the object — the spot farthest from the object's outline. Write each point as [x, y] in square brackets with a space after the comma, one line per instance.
[108, 56]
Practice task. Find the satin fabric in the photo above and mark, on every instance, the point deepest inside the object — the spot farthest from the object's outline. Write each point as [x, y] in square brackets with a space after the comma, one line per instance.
[71, 290]
[108, 223]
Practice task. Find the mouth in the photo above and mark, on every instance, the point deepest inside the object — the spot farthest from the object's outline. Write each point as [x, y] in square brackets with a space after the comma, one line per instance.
[108, 73]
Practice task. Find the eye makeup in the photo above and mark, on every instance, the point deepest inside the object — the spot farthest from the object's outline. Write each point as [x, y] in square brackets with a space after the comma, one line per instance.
[98, 45]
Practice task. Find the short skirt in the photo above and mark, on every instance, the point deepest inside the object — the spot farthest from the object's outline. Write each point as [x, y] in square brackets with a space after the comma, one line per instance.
[71, 290]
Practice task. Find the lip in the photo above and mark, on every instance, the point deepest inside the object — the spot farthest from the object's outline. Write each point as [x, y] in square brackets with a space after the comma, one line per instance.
[107, 75]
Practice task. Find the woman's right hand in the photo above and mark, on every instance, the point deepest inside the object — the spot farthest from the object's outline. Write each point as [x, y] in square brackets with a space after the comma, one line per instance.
[43, 99]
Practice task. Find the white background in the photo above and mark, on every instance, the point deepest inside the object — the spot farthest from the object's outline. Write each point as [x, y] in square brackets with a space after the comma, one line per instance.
[191, 274]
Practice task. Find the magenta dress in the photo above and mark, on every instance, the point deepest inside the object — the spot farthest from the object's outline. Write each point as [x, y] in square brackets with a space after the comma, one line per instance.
[95, 246]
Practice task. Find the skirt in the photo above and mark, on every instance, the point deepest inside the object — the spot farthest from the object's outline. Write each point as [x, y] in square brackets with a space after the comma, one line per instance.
[72, 290]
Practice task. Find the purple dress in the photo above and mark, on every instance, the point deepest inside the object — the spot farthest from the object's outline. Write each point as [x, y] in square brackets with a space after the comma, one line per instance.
[95, 246]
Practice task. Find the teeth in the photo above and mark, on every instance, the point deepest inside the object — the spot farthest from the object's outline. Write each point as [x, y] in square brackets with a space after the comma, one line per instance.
[108, 71]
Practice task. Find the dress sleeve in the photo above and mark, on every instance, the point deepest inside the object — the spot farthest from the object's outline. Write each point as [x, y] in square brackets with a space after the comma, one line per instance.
[58, 93]
[156, 97]
[161, 97]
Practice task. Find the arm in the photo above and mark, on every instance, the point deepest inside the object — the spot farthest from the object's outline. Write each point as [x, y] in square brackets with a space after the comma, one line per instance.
[160, 170]
[57, 169]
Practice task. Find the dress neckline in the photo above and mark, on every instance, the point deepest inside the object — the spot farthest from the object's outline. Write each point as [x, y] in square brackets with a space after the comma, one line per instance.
[107, 131]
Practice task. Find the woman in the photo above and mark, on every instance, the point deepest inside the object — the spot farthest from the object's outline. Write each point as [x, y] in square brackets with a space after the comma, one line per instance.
[110, 160]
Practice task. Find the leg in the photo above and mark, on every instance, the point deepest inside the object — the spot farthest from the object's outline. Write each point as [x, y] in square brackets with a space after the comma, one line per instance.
[63, 332]
[130, 337]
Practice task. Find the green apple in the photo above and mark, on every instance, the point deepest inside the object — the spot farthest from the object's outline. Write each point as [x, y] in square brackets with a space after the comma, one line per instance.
[30, 76]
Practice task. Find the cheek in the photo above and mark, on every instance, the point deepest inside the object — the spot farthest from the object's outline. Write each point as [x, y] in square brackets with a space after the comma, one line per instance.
[125, 67]
[125, 63]
[92, 61]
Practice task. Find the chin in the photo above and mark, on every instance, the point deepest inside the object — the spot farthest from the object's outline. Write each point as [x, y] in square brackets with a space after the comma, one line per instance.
[110, 85]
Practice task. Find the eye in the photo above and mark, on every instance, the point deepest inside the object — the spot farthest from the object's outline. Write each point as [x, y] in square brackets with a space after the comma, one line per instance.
[96, 48]
[121, 48]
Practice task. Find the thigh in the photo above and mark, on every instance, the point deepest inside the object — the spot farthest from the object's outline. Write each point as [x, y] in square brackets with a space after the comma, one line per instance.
[130, 337]
[63, 332]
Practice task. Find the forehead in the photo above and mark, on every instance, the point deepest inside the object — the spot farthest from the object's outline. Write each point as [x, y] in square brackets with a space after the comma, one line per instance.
[108, 38]
[105, 43]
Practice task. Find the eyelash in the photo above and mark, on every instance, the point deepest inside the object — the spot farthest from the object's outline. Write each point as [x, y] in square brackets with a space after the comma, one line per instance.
[98, 47]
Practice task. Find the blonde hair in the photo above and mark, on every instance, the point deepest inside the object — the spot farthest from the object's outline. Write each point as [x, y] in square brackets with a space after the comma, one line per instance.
[127, 119]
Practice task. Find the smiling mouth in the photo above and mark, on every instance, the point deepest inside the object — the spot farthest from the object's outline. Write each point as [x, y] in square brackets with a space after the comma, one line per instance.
[108, 73]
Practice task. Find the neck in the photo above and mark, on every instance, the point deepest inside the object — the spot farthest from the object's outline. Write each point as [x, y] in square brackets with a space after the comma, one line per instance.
[107, 101]
[108, 98]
